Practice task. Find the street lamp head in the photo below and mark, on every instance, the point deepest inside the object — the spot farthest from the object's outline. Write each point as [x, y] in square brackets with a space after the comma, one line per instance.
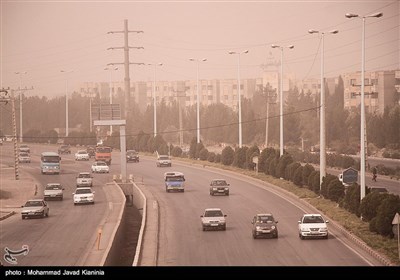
[159, 64]
[334, 31]
[350, 15]
[191, 59]
[311, 31]
[232, 52]
[274, 46]
[204, 59]
[291, 47]
[377, 15]
[246, 51]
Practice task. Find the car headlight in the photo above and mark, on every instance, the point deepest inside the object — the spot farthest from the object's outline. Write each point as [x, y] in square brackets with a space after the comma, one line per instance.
[39, 211]
[304, 229]
[323, 229]
[214, 189]
[226, 189]
[258, 228]
[273, 227]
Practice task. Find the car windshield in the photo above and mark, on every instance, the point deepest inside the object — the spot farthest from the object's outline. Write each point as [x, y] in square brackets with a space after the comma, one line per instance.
[265, 219]
[219, 183]
[312, 220]
[82, 152]
[101, 164]
[164, 158]
[84, 175]
[175, 179]
[23, 155]
[33, 203]
[53, 159]
[213, 213]
[83, 191]
[53, 187]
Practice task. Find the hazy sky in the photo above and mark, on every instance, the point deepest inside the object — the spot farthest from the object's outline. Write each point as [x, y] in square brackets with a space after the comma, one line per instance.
[44, 37]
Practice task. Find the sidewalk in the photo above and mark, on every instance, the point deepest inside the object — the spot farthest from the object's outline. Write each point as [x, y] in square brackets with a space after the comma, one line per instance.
[14, 193]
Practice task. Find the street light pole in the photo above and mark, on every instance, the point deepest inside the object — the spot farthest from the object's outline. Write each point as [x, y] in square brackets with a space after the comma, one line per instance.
[198, 98]
[281, 100]
[239, 96]
[66, 102]
[362, 101]
[154, 96]
[322, 131]
[20, 104]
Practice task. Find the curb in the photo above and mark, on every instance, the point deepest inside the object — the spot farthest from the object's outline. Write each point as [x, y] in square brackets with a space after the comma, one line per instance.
[142, 226]
[7, 215]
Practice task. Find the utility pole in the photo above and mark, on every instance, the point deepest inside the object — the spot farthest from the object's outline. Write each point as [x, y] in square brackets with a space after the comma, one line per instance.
[14, 126]
[126, 63]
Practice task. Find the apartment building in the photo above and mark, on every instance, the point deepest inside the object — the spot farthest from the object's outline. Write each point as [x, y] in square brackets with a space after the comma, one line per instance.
[380, 90]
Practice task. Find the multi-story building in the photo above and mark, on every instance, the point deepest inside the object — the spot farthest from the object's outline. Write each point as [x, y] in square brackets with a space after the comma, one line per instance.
[379, 90]
[397, 84]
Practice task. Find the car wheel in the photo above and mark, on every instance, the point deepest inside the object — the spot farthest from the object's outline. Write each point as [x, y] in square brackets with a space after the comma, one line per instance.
[301, 237]
[204, 228]
[22, 217]
[224, 227]
[326, 237]
[43, 215]
[211, 193]
[227, 193]
[276, 235]
[254, 236]
[47, 214]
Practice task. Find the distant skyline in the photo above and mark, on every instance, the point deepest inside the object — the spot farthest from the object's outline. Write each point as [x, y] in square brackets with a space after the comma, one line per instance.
[45, 37]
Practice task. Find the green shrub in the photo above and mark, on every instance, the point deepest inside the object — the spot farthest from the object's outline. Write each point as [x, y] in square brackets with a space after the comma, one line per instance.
[297, 177]
[290, 170]
[203, 154]
[227, 155]
[284, 161]
[211, 157]
[176, 152]
[239, 158]
[217, 158]
[335, 190]
[370, 204]
[325, 183]
[389, 206]
[351, 200]
[307, 170]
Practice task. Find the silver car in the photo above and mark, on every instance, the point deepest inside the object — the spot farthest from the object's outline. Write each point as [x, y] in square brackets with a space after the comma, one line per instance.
[213, 219]
[53, 191]
[35, 208]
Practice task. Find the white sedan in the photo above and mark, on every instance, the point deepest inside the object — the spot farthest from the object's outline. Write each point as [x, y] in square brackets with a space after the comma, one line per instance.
[100, 167]
[83, 195]
[313, 225]
[82, 155]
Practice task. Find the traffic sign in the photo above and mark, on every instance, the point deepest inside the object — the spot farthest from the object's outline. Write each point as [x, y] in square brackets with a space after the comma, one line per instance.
[396, 219]
[350, 176]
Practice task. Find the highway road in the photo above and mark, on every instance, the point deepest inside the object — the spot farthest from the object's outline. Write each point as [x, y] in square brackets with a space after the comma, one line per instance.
[69, 232]
[183, 243]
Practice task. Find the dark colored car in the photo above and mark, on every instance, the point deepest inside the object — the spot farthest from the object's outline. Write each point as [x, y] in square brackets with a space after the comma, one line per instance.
[64, 149]
[219, 186]
[132, 155]
[264, 225]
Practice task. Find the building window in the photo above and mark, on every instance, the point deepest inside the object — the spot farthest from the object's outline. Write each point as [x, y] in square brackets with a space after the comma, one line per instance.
[374, 95]
[352, 82]
[210, 97]
[165, 88]
[210, 87]
[188, 98]
[234, 87]
[226, 97]
[204, 87]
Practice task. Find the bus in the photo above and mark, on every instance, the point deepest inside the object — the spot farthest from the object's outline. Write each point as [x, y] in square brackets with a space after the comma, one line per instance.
[103, 153]
[50, 163]
[174, 181]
